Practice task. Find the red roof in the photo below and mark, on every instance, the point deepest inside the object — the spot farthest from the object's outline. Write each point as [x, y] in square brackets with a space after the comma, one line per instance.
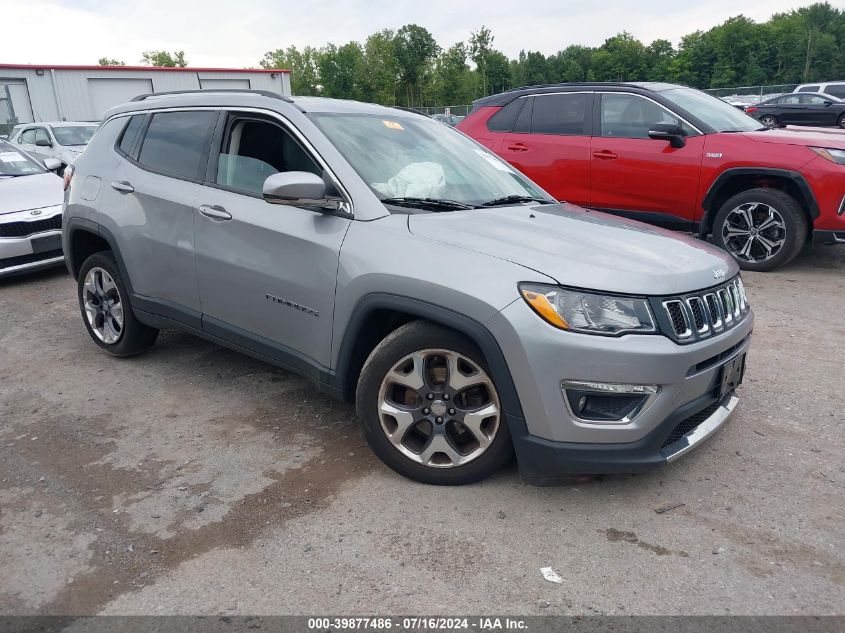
[146, 68]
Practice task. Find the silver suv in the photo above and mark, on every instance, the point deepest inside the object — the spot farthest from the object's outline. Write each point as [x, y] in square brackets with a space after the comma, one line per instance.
[396, 262]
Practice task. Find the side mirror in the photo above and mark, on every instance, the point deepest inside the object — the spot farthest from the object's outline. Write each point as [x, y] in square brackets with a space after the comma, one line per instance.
[828, 103]
[668, 132]
[43, 142]
[301, 188]
[52, 164]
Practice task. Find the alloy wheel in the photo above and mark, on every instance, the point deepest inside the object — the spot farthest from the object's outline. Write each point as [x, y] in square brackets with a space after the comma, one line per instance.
[103, 305]
[768, 121]
[439, 408]
[754, 232]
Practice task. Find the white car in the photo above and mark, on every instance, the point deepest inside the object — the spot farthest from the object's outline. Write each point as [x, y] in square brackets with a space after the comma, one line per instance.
[62, 140]
[833, 88]
[30, 212]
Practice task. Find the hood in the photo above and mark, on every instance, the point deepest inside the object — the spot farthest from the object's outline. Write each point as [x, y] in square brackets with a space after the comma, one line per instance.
[581, 248]
[796, 135]
[30, 192]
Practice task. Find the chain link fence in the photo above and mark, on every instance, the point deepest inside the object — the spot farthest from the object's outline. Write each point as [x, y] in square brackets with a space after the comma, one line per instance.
[455, 110]
[745, 95]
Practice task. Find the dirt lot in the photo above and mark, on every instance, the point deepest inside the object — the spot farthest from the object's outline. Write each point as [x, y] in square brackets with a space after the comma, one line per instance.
[192, 479]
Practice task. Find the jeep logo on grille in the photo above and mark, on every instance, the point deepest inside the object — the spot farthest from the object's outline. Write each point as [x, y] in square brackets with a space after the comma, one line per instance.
[718, 273]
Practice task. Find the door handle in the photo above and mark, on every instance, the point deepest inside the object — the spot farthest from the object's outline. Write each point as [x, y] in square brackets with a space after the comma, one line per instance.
[518, 147]
[215, 212]
[605, 155]
[122, 186]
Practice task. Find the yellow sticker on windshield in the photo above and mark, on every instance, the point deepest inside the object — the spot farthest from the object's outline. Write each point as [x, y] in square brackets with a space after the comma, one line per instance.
[393, 125]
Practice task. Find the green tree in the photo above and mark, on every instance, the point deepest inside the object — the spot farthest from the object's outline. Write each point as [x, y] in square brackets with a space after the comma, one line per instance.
[480, 51]
[164, 59]
[415, 49]
[380, 72]
[305, 76]
[452, 82]
[110, 61]
[340, 70]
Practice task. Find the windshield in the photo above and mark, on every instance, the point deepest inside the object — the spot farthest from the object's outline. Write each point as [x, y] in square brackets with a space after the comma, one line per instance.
[74, 134]
[719, 115]
[13, 163]
[403, 157]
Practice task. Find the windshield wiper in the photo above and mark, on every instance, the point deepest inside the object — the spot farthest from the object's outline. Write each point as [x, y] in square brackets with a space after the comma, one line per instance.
[514, 200]
[432, 203]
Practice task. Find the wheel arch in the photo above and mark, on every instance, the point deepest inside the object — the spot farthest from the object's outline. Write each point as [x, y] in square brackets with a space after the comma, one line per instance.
[84, 238]
[378, 314]
[737, 179]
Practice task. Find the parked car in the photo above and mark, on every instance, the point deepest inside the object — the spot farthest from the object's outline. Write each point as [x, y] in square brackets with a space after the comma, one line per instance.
[62, 140]
[30, 212]
[833, 88]
[675, 157]
[395, 261]
[448, 119]
[804, 108]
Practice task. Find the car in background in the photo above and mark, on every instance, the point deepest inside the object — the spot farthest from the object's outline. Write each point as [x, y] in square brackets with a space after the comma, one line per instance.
[800, 108]
[62, 140]
[30, 212]
[833, 88]
[675, 157]
[448, 119]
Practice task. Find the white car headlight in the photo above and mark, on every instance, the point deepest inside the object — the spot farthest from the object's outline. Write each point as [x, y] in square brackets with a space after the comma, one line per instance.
[588, 312]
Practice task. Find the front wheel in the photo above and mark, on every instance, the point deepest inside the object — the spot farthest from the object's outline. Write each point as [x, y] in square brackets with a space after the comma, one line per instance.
[761, 228]
[430, 408]
[768, 120]
[841, 121]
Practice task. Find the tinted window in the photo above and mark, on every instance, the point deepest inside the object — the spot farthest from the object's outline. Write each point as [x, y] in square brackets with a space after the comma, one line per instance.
[809, 89]
[523, 121]
[631, 116]
[837, 90]
[504, 119]
[129, 133]
[559, 114]
[254, 150]
[176, 142]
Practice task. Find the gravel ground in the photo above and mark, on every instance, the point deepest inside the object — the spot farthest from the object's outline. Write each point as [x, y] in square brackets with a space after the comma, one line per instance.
[195, 480]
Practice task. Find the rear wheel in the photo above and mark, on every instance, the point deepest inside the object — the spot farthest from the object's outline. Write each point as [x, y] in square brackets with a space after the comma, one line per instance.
[430, 409]
[769, 120]
[106, 311]
[761, 228]
[841, 121]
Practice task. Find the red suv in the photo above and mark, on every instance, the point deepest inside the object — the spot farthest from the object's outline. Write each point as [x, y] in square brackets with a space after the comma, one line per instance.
[675, 157]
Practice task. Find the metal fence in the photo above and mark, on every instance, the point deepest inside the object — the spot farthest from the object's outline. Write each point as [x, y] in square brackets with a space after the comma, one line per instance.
[751, 93]
[455, 110]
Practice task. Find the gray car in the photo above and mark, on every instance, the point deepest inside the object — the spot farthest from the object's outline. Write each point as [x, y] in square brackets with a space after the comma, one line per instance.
[30, 212]
[396, 262]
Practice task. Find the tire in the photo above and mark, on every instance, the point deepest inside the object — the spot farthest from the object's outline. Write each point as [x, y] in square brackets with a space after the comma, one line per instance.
[117, 332]
[769, 120]
[776, 219]
[841, 121]
[463, 394]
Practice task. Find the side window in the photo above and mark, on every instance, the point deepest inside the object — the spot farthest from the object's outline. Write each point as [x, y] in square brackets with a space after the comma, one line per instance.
[631, 116]
[523, 121]
[809, 89]
[41, 135]
[130, 132]
[176, 143]
[254, 149]
[27, 136]
[560, 114]
[504, 119]
[812, 100]
[791, 99]
[836, 90]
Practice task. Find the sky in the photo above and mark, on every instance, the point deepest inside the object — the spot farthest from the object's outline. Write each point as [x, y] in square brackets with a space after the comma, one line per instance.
[237, 33]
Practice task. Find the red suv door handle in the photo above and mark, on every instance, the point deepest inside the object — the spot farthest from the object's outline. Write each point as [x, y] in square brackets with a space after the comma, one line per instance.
[518, 147]
[604, 154]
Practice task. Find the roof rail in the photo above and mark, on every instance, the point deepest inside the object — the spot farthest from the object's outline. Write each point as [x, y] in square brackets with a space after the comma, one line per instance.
[263, 93]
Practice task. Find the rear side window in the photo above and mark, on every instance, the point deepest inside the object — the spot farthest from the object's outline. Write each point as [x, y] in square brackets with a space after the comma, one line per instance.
[809, 89]
[504, 119]
[836, 90]
[130, 132]
[560, 114]
[176, 143]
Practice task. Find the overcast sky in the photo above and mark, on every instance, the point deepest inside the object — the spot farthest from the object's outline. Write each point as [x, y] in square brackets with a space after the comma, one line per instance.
[236, 33]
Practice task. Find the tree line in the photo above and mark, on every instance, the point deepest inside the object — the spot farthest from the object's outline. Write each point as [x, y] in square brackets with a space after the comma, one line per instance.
[408, 67]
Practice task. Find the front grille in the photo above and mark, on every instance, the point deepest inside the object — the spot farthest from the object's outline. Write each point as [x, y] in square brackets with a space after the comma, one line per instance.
[689, 424]
[23, 229]
[696, 316]
[29, 259]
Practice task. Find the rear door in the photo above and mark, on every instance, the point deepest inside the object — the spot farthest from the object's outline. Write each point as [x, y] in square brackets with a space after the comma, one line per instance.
[266, 272]
[791, 111]
[636, 176]
[550, 143]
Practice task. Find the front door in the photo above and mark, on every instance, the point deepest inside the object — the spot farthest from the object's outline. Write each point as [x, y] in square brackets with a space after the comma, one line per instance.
[639, 177]
[266, 272]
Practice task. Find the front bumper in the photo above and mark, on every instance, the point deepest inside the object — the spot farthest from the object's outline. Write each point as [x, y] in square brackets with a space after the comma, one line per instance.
[29, 242]
[551, 442]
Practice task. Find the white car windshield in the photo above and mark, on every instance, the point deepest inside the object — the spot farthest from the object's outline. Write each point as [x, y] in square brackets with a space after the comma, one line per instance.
[403, 158]
[74, 134]
[13, 163]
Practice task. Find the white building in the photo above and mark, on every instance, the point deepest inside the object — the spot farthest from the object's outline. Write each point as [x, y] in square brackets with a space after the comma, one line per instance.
[83, 93]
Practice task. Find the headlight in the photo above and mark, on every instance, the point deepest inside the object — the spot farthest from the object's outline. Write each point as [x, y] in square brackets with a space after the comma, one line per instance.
[833, 155]
[588, 312]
